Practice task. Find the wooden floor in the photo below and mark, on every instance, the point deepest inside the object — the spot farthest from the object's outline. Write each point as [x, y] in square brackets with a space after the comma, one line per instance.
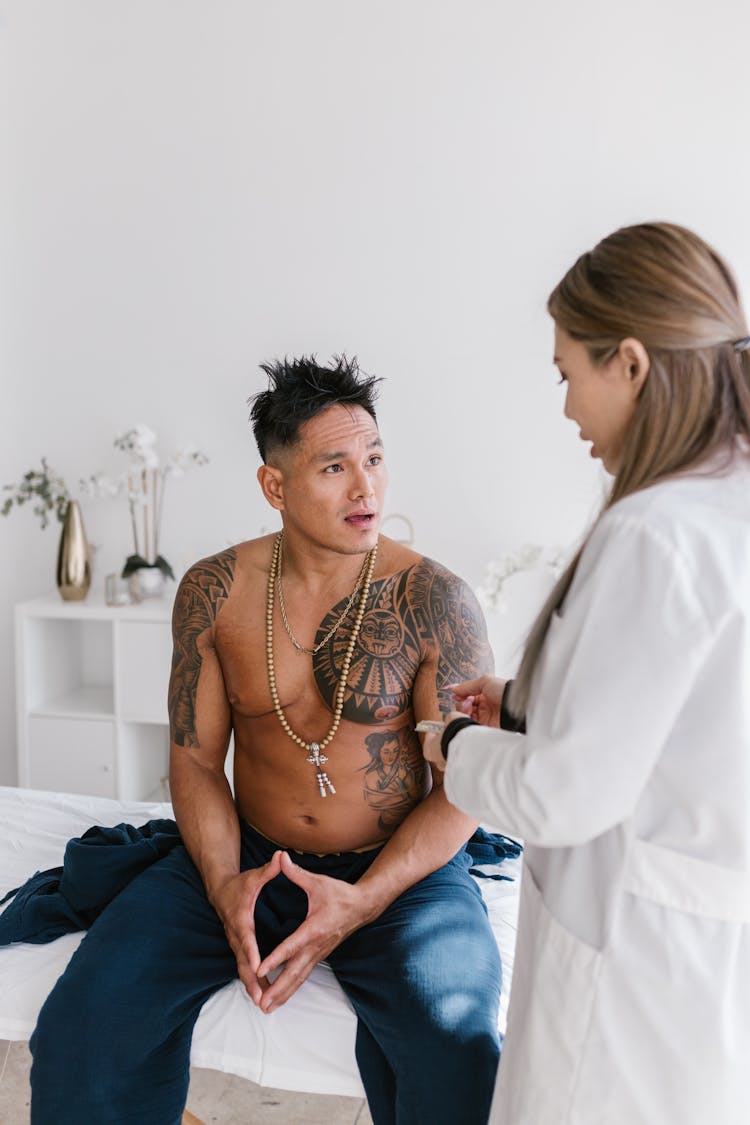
[213, 1099]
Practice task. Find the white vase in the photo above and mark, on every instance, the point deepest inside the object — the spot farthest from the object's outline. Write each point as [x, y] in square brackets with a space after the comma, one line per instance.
[147, 582]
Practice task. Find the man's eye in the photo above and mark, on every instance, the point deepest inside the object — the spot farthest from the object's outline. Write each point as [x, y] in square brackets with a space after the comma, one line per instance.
[375, 459]
[332, 469]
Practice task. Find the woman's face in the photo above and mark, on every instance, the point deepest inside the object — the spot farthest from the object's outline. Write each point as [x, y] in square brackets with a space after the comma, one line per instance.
[599, 399]
[389, 753]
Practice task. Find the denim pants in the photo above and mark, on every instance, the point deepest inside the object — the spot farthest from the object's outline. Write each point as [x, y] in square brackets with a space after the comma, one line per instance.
[112, 1044]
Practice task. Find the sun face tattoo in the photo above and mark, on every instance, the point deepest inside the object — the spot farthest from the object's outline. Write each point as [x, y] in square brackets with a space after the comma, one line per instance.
[385, 660]
[421, 608]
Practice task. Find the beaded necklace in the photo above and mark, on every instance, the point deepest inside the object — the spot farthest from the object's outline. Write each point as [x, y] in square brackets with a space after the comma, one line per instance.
[301, 650]
[315, 755]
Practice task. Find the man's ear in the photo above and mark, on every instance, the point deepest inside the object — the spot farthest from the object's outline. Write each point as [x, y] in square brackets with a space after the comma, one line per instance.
[635, 363]
[271, 482]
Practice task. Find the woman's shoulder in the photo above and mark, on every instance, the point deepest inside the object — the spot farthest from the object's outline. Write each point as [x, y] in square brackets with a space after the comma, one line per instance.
[692, 530]
[694, 503]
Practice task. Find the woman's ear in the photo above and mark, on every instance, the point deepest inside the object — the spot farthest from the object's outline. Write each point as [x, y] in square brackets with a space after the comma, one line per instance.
[272, 485]
[635, 363]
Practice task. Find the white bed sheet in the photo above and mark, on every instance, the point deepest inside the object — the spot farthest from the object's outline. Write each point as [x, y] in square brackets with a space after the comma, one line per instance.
[306, 1045]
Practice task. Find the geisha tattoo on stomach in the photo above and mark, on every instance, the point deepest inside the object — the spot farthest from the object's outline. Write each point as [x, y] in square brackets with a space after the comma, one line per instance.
[394, 777]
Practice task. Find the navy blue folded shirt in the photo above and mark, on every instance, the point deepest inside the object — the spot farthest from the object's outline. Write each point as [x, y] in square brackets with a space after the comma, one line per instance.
[96, 867]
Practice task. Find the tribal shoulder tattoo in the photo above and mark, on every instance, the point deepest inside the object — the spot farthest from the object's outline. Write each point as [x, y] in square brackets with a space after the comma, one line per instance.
[424, 609]
[201, 594]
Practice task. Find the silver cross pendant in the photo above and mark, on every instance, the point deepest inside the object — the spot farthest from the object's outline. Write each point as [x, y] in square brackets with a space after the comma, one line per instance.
[317, 759]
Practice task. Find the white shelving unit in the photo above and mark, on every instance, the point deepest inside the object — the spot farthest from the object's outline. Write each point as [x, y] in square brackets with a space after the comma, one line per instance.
[91, 683]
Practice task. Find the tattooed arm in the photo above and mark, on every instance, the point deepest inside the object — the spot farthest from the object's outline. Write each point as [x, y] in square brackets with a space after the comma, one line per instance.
[200, 723]
[453, 643]
[200, 726]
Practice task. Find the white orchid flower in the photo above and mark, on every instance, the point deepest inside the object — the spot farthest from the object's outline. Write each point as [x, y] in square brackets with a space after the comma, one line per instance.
[188, 458]
[492, 592]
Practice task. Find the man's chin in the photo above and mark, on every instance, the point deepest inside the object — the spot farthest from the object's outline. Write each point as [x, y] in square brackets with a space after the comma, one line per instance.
[363, 536]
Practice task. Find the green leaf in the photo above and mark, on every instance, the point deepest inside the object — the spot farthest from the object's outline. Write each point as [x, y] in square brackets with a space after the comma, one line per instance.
[137, 562]
[164, 567]
[133, 563]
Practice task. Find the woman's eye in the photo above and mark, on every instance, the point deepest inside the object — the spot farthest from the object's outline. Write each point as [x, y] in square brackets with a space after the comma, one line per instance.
[562, 379]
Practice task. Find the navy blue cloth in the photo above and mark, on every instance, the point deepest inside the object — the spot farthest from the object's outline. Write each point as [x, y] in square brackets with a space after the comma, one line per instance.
[96, 867]
[487, 848]
[424, 979]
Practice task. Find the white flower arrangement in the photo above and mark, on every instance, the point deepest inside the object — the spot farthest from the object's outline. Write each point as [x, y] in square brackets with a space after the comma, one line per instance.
[143, 482]
[492, 593]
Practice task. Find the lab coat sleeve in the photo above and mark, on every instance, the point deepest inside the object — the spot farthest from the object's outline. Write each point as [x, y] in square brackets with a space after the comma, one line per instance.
[618, 664]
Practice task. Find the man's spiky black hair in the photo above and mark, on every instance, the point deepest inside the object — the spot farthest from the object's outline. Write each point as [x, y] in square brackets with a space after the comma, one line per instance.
[298, 389]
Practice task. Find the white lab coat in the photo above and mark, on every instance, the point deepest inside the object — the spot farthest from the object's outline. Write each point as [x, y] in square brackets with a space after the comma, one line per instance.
[630, 1002]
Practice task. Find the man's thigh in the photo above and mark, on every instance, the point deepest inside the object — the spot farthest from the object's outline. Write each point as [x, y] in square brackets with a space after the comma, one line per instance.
[158, 940]
[430, 962]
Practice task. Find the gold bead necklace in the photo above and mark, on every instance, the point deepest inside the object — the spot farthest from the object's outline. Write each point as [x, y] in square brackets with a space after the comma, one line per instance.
[302, 651]
[315, 756]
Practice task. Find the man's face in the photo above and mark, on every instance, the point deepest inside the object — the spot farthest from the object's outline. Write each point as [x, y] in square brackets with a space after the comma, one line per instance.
[334, 480]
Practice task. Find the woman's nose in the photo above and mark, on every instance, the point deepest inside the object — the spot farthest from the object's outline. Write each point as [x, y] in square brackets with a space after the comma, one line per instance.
[566, 408]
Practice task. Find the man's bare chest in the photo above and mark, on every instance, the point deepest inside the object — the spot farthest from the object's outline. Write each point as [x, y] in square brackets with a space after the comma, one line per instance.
[385, 657]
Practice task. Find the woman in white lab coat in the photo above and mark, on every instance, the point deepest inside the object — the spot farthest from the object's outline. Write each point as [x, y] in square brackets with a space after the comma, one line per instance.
[630, 1002]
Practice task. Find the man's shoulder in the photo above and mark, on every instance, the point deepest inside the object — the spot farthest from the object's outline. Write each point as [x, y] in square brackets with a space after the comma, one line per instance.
[443, 611]
[225, 565]
[424, 585]
[212, 582]
[413, 567]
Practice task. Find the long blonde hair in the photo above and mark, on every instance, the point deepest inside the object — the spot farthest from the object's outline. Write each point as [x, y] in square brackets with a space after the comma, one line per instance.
[666, 287]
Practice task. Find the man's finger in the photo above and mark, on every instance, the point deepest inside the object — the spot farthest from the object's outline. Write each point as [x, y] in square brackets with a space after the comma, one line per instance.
[294, 974]
[250, 951]
[304, 879]
[271, 869]
[254, 986]
[288, 949]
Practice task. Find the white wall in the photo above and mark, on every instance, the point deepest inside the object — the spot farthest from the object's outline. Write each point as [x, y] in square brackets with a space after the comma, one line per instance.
[188, 188]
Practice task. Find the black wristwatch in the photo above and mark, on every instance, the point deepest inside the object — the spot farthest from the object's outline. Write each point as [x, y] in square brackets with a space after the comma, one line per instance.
[453, 727]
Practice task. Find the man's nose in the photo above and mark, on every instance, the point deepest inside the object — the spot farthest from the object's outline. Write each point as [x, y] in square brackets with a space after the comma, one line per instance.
[361, 484]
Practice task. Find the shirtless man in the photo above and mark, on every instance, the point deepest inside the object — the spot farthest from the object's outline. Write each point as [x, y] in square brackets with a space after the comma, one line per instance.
[319, 649]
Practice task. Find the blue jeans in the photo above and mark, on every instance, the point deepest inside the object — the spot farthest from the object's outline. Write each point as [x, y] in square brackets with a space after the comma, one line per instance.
[112, 1044]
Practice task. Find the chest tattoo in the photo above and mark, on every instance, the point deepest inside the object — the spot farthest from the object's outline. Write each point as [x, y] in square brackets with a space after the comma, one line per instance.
[385, 659]
[422, 608]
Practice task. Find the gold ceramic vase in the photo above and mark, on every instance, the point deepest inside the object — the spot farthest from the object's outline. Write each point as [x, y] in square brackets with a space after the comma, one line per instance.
[73, 561]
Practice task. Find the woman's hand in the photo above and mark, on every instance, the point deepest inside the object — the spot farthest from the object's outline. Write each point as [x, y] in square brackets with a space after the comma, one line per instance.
[480, 699]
